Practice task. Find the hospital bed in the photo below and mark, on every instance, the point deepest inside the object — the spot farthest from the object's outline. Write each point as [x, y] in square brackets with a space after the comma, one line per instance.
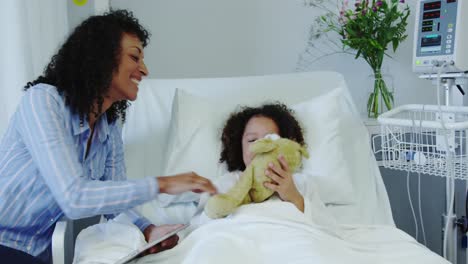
[174, 126]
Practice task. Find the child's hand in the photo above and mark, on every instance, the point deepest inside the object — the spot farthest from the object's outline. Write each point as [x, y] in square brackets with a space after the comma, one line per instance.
[282, 182]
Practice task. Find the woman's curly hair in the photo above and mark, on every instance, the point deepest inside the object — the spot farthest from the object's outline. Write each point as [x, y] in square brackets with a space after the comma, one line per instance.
[233, 130]
[83, 67]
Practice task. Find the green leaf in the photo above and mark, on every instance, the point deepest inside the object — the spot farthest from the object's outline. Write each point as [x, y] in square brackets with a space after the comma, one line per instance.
[357, 54]
[395, 43]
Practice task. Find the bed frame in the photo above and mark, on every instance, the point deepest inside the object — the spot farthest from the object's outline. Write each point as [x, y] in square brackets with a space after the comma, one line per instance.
[62, 242]
[155, 97]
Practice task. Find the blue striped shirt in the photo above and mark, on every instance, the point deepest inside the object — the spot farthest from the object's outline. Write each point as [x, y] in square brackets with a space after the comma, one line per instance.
[44, 173]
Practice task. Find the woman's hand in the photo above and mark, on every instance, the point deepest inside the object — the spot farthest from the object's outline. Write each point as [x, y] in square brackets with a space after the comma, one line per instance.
[153, 232]
[184, 182]
[282, 182]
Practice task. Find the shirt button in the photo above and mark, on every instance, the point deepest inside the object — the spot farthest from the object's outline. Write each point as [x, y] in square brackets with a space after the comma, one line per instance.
[29, 247]
[51, 220]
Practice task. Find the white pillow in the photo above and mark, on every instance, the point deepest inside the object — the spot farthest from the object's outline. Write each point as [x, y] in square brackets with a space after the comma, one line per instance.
[322, 121]
[194, 142]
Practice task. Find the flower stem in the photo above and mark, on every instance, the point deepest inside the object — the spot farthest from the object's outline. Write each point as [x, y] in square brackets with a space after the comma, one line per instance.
[380, 93]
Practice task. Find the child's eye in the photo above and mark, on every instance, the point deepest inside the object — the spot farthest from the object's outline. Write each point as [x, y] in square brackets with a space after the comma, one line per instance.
[252, 140]
[135, 58]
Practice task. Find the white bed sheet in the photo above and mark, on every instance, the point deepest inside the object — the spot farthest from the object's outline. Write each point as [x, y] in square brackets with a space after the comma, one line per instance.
[276, 232]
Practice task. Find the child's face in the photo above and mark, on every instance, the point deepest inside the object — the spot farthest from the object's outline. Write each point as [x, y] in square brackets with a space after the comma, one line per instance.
[257, 127]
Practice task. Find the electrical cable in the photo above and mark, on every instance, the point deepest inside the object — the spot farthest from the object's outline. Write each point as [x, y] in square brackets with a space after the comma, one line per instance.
[417, 143]
[420, 210]
[420, 140]
[408, 157]
[411, 203]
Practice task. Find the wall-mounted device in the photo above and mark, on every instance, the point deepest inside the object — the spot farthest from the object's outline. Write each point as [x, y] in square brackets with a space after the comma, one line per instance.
[441, 35]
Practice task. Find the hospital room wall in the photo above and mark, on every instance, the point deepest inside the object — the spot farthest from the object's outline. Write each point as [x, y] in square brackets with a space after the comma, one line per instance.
[210, 38]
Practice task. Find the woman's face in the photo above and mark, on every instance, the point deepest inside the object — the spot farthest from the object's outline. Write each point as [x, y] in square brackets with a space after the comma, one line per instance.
[257, 127]
[125, 80]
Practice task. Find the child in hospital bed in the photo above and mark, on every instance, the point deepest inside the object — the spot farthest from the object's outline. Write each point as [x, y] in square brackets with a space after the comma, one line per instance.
[296, 197]
[241, 130]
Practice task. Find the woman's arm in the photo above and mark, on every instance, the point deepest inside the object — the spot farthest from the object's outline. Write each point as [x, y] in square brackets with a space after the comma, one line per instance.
[115, 171]
[44, 130]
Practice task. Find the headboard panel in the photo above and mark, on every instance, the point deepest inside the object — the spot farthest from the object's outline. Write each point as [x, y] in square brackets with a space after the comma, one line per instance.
[151, 112]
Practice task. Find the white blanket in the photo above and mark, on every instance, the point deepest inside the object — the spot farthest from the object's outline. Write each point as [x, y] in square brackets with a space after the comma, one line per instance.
[269, 232]
[276, 232]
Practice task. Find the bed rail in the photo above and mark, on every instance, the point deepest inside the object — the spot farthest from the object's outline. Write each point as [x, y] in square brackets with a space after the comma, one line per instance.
[63, 242]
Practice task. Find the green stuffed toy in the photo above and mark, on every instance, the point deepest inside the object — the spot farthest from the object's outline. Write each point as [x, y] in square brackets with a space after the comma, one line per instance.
[250, 187]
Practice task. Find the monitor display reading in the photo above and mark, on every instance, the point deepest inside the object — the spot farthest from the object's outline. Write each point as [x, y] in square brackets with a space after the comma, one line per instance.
[432, 5]
[431, 14]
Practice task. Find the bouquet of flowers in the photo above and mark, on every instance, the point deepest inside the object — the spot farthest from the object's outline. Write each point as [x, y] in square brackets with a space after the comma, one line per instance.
[368, 27]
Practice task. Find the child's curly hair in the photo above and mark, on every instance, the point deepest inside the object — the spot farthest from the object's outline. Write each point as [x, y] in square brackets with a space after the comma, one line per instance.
[233, 130]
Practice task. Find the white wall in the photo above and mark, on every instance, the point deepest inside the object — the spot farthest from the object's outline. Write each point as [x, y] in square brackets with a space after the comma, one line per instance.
[76, 13]
[31, 34]
[213, 38]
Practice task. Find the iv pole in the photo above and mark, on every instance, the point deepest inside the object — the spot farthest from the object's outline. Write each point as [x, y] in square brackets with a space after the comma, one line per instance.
[452, 85]
[451, 250]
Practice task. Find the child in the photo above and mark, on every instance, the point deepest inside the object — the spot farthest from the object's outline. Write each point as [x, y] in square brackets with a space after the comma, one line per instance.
[241, 130]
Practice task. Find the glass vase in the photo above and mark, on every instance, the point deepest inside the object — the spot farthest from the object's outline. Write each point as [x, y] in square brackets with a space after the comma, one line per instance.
[381, 94]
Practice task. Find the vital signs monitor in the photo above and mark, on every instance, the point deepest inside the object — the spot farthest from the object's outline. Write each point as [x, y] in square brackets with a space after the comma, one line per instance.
[441, 35]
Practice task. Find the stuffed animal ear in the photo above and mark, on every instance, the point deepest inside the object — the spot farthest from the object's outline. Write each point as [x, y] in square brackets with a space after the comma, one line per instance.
[263, 146]
[304, 152]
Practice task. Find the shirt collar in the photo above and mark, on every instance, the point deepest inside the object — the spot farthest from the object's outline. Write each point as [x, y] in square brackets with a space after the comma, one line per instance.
[77, 128]
[101, 128]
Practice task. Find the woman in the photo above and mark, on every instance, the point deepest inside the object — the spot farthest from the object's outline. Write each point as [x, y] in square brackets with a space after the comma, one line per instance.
[62, 153]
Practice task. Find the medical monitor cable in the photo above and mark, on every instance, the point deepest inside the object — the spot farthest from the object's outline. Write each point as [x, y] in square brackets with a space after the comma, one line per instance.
[420, 140]
[412, 140]
[411, 204]
[420, 210]
[409, 190]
